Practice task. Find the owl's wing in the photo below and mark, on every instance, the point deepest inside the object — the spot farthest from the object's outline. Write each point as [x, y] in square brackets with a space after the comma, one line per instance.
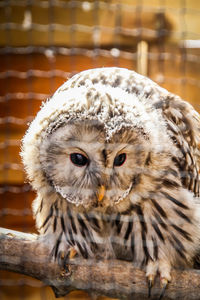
[183, 124]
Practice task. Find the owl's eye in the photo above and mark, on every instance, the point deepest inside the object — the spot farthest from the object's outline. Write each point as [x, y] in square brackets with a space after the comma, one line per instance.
[119, 159]
[79, 159]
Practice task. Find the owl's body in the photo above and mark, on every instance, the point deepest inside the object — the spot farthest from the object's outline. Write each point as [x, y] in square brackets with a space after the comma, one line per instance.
[113, 132]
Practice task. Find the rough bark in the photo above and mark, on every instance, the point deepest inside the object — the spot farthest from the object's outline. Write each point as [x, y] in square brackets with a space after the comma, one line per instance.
[26, 254]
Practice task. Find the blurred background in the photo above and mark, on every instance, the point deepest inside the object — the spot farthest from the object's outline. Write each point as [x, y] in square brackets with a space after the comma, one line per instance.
[43, 43]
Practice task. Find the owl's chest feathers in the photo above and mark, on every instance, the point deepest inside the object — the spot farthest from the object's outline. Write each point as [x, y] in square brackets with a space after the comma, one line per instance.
[104, 234]
[162, 224]
[99, 234]
[137, 236]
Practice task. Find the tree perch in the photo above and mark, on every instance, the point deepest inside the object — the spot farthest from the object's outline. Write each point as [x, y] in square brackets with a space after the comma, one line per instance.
[26, 254]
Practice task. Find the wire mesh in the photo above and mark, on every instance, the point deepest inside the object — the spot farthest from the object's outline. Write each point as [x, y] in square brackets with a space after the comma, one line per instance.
[43, 43]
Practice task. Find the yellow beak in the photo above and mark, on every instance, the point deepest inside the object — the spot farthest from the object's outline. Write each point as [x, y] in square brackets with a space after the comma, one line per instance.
[101, 193]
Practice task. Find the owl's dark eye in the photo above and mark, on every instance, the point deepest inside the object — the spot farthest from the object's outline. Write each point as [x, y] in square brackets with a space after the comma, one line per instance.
[119, 159]
[79, 159]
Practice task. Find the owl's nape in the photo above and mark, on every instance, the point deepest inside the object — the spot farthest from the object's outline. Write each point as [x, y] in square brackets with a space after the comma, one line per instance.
[114, 160]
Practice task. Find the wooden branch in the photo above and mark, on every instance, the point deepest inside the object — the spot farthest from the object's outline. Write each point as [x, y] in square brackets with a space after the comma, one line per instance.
[26, 254]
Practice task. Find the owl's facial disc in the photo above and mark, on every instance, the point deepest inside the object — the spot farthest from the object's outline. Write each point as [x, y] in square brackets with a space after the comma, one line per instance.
[77, 160]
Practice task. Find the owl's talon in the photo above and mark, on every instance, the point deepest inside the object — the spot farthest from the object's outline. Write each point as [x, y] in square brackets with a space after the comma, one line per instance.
[65, 261]
[63, 258]
[70, 254]
[150, 284]
[164, 283]
[151, 272]
[165, 276]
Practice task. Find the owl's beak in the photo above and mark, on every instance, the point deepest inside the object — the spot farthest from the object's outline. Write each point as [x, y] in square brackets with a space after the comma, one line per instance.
[101, 193]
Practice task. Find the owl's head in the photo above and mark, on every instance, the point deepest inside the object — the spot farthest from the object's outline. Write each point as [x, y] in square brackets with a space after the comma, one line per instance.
[95, 140]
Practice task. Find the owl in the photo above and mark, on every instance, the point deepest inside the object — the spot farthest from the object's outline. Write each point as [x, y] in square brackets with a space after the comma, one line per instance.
[114, 160]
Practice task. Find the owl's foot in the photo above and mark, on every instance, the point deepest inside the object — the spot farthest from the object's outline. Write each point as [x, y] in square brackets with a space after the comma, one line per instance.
[164, 282]
[64, 257]
[62, 253]
[150, 284]
[151, 271]
[165, 276]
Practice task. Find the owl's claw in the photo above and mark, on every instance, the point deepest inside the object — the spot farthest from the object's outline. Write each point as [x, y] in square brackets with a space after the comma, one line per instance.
[165, 276]
[64, 257]
[153, 267]
[150, 284]
[164, 283]
[65, 261]
[151, 272]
